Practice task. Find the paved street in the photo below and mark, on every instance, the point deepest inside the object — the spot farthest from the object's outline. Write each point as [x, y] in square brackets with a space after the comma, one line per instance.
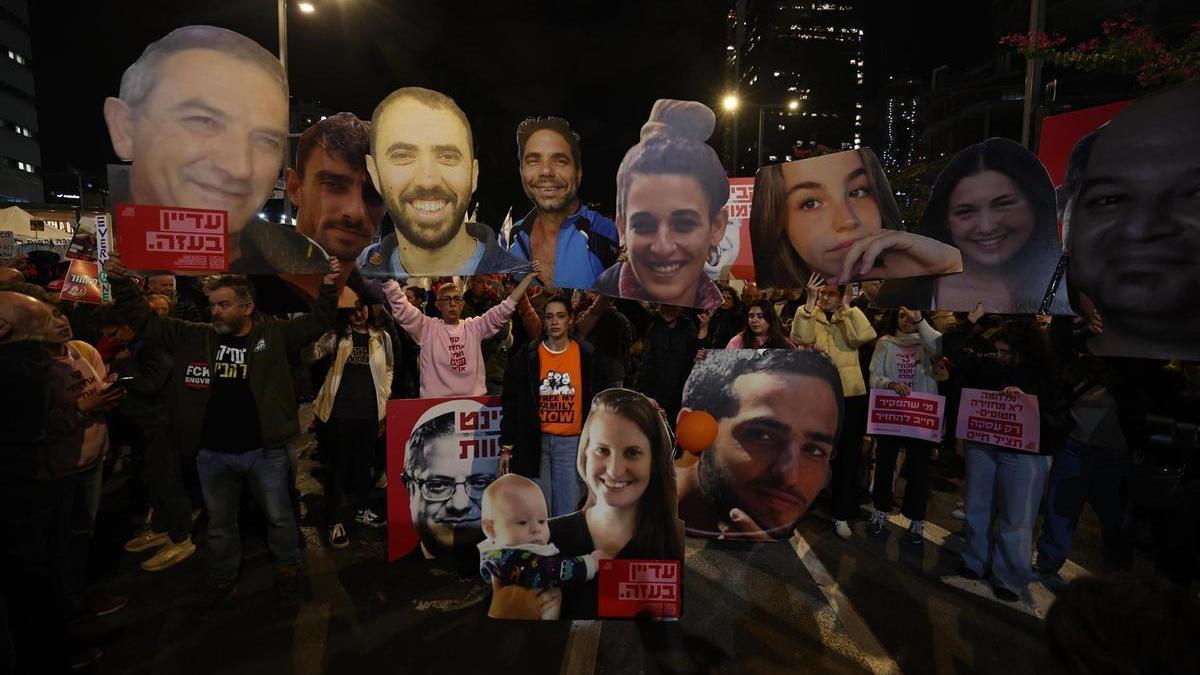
[816, 604]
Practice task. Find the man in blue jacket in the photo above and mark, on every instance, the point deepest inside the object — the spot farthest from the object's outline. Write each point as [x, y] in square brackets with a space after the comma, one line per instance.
[574, 243]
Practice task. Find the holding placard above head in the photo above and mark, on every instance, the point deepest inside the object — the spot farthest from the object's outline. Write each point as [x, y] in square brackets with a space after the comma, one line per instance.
[671, 215]
[835, 215]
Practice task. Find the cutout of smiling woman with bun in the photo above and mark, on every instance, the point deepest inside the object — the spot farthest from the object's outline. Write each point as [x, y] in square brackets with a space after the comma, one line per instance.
[671, 195]
[994, 202]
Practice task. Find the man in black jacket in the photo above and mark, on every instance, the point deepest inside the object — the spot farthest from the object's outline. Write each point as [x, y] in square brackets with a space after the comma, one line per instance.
[668, 352]
[548, 389]
[231, 402]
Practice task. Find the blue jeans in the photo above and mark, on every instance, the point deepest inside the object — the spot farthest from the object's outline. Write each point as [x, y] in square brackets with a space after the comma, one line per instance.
[221, 476]
[558, 477]
[1008, 484]
[1080, 473]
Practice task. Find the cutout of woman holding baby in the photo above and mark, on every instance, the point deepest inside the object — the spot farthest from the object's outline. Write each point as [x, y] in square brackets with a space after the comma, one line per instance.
[835, 215]
[631, 513]
[995, 202]
[671, 214]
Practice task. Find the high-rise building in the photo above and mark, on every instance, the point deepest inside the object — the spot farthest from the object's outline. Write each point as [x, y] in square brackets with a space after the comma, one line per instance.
[901, 124]
[797, 68]
[20, 154]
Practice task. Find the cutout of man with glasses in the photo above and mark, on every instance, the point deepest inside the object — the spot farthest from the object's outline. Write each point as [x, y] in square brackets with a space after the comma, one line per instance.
[444, 488]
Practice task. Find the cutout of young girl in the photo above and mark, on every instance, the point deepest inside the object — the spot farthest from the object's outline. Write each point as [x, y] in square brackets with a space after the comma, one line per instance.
[994, 202]
[631, 509]
[835, 215]
[671, 215]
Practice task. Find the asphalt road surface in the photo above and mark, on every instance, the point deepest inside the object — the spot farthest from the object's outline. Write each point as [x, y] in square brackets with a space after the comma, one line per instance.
[815, 604]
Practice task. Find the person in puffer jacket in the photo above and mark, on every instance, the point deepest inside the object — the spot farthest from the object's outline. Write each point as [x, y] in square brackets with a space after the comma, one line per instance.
[828, 322]
[903, 362]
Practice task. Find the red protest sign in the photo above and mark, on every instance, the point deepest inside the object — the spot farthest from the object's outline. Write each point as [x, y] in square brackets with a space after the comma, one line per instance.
[741, 193]
[168, 238]
[82, 283]
[447, 450]
[1001, 419]
[631, 588]
[917, 415]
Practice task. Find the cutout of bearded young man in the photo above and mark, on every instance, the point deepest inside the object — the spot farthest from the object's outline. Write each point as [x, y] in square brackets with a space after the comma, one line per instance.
[423, 163]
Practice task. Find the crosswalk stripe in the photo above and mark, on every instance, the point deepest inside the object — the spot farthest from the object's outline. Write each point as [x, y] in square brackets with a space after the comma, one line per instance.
[1039, 597]
[875, 657]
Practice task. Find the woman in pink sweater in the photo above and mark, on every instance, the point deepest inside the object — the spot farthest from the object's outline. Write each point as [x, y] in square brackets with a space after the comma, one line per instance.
[451, 361]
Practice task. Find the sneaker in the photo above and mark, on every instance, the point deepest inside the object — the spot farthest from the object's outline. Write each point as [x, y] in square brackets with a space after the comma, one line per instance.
[337, 536]
[287, 587]
[211, 597]
[842, 528]
[916, 532]
[369, 518]
[877, 523]
[958, 514]
[146, 539]
[1005, 594]
[381, 482]
[170, 555]
[968, 573]
[86, 657]
[105, 605]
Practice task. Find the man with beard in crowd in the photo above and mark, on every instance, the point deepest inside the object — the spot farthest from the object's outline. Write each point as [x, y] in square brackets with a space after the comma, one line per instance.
[166, 285]
[778, 413]
[232, 406]
[423, 163]
[573, 243]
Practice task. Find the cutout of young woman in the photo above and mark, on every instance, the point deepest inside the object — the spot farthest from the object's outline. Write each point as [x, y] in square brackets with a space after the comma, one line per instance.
[835, 215]
[671, 214]
[994, 202]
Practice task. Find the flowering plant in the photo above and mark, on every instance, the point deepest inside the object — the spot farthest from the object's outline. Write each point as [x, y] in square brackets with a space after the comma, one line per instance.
[1128, 46]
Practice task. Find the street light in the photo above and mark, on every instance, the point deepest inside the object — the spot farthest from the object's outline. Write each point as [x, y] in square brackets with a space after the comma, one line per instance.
[305, 8]
[730, 102]
[793, 105]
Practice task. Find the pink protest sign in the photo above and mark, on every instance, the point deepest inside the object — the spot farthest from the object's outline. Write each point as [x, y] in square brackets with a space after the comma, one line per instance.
[1001, 419]
[914, 416]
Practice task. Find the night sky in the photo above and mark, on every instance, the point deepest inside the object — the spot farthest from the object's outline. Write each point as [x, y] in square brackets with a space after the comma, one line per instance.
[599, 63]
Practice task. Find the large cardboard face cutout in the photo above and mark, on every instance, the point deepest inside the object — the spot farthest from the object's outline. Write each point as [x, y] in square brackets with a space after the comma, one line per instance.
[778, 414]
[671, 215]
[585, 243]
[1132, 219]
[835, 216]
[442, 455]
[423, 163]
[203, 118]
[995, 203]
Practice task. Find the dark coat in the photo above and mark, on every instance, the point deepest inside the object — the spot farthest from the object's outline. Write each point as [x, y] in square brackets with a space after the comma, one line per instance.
[194, 348]
[521, 427]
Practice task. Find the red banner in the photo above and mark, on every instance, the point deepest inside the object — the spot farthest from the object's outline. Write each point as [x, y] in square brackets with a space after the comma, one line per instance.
[741, 192]
[452, 442]
[632, 588]
[914, 416]
[1001, 419]
[82, 283]
[1061, 132]
[168, 238]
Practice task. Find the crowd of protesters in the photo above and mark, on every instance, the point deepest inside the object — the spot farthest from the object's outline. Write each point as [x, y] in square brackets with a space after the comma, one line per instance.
[195, 387]
[198, 408]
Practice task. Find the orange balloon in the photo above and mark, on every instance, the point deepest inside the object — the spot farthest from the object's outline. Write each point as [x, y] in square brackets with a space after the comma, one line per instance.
[696, 431]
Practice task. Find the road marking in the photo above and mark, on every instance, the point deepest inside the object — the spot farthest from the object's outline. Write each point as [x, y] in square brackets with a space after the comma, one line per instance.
[875, 657]
[583, 642]
[1037, 600]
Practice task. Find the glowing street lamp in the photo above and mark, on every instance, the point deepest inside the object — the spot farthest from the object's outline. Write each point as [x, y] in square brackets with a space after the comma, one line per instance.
[793, 105]
[306, 7]
[730, 102]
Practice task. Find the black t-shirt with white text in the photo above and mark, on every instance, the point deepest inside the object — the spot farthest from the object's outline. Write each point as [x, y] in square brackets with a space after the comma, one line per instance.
[231, 421]
[355, 398]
